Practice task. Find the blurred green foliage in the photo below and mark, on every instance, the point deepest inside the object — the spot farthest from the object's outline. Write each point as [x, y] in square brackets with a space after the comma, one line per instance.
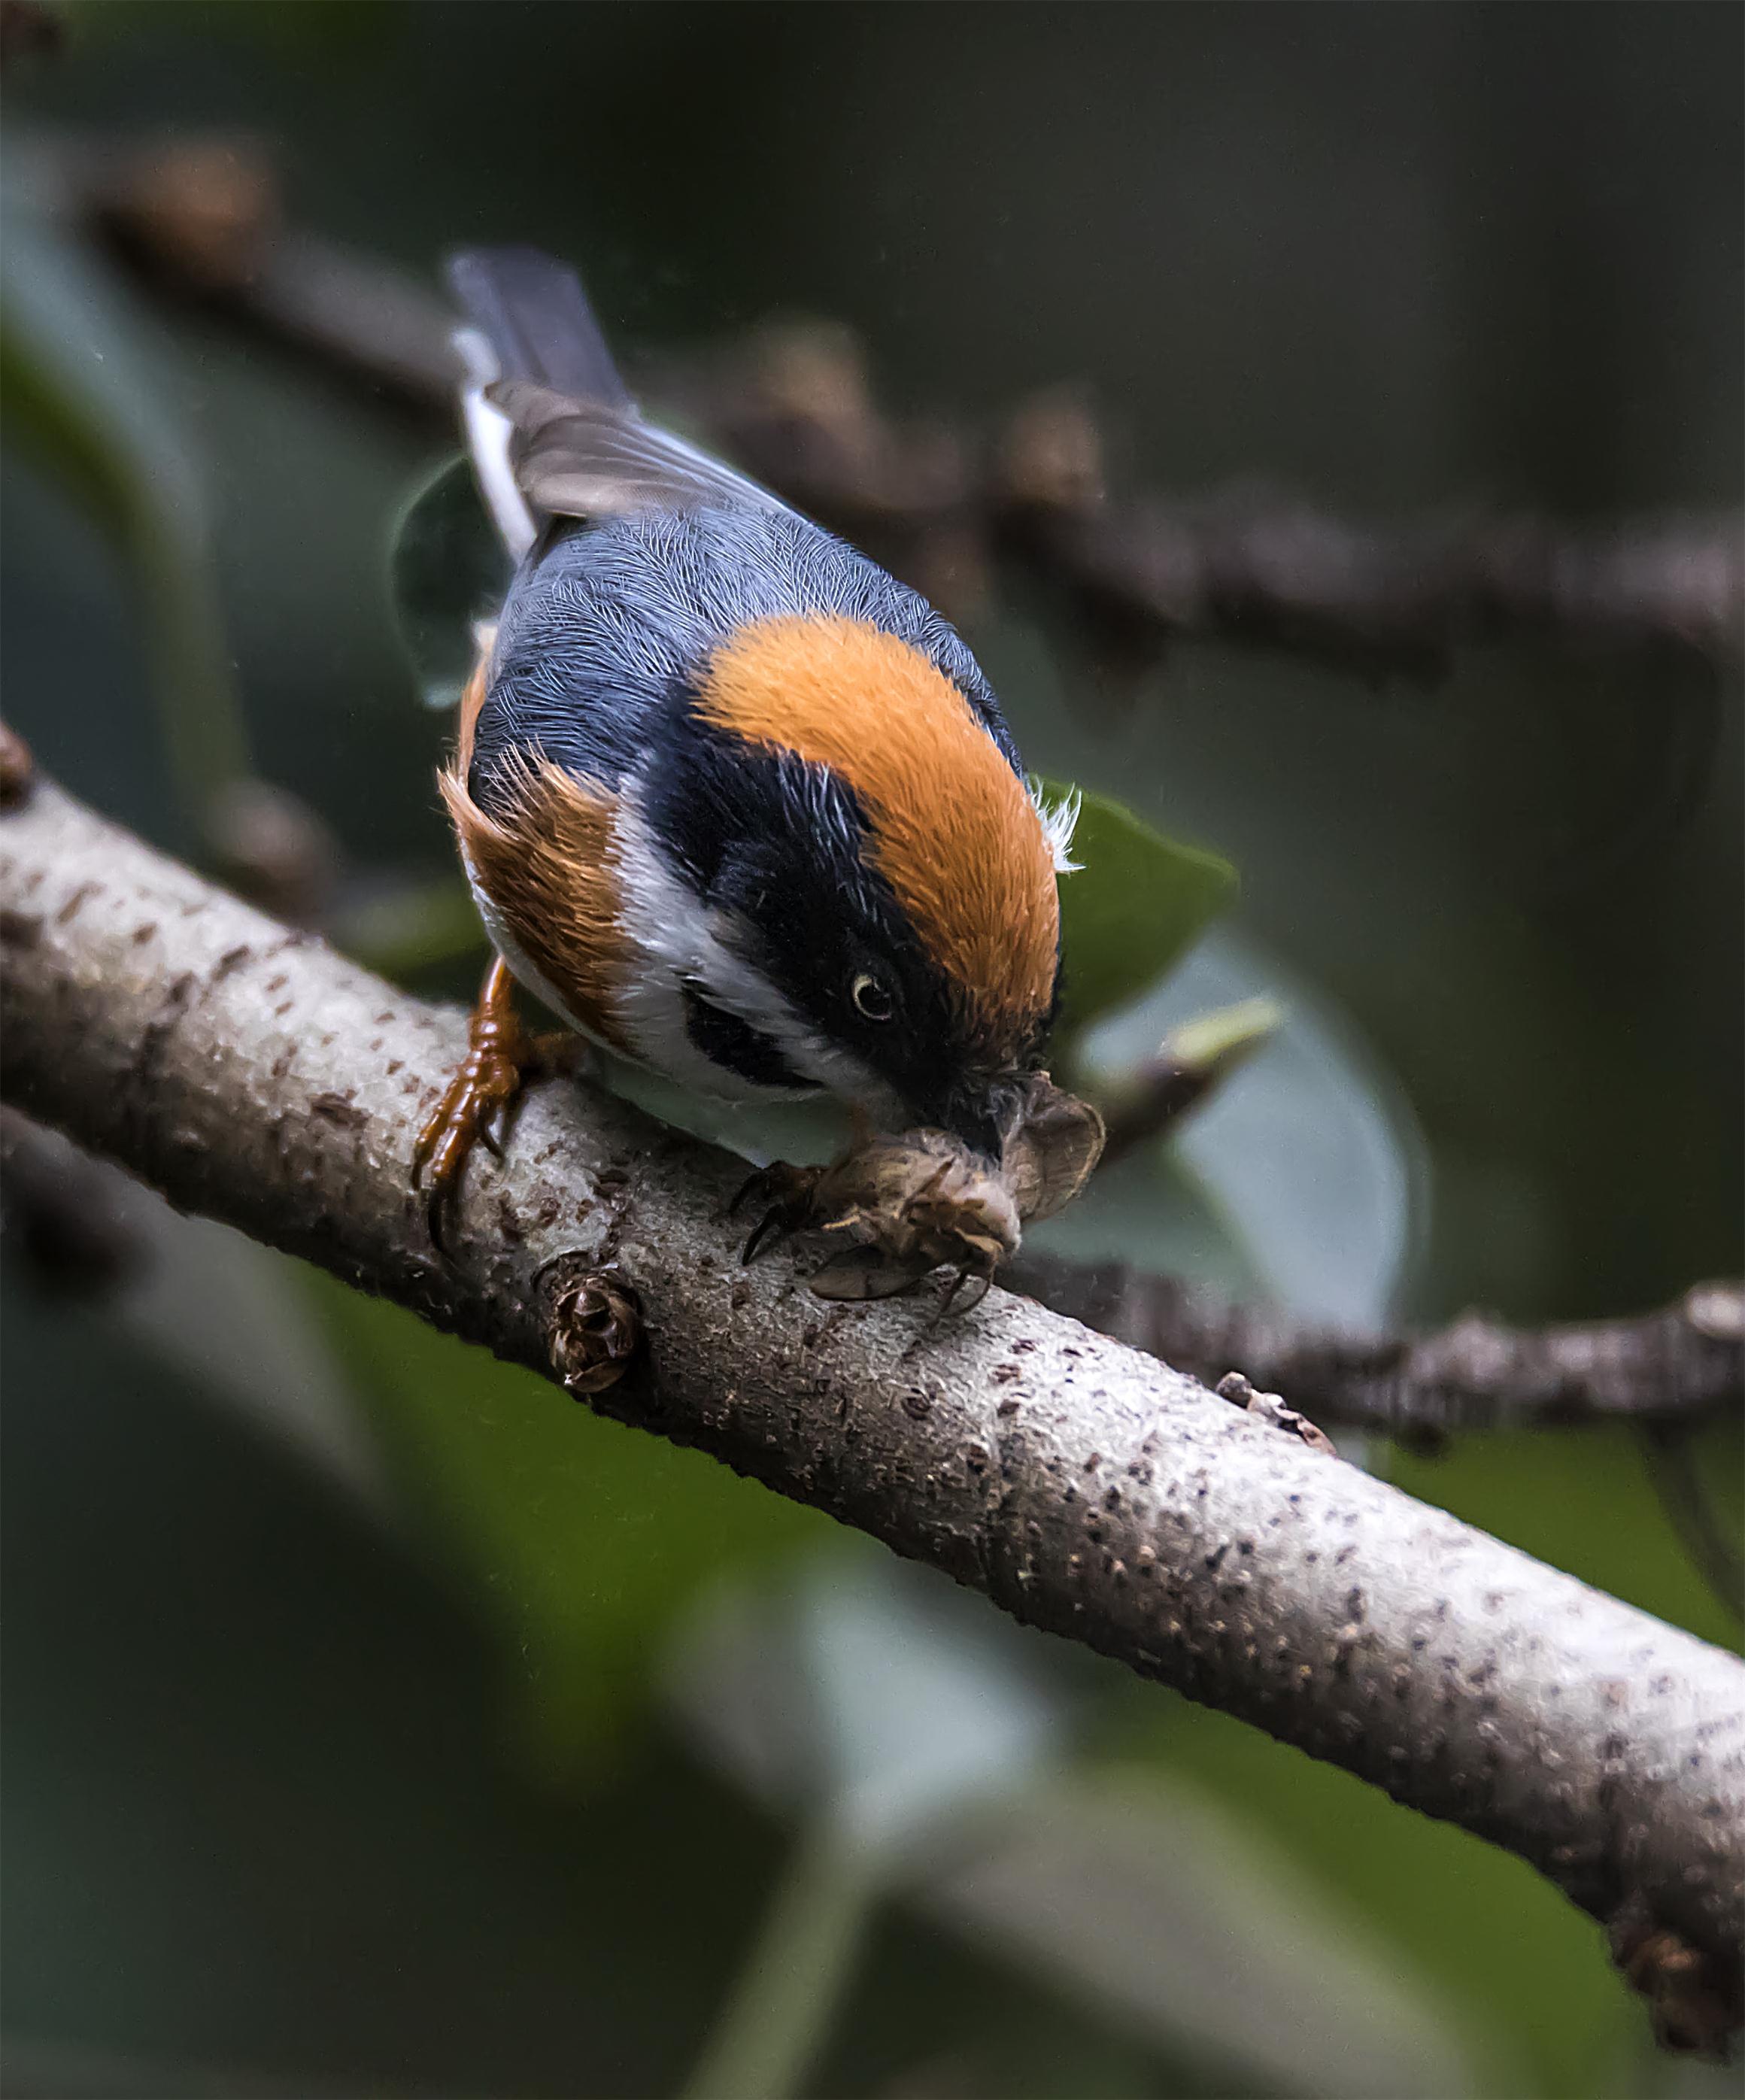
[584, 1541]
[73, 399]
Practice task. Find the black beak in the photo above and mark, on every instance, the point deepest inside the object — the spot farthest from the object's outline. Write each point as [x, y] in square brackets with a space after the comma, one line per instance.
[981, 1113]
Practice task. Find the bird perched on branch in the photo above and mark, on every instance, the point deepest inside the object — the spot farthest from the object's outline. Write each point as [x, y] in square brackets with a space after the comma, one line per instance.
[732, 801]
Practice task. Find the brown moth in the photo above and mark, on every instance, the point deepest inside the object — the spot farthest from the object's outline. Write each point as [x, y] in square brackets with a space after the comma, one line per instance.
[902, 1205]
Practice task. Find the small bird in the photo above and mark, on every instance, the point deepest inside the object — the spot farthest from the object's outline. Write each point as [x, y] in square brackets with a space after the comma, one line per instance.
[732, 801]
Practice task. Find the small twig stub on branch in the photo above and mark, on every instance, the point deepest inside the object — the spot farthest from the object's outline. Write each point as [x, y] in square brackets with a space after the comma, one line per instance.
[1268, 1406]
[594, 1325]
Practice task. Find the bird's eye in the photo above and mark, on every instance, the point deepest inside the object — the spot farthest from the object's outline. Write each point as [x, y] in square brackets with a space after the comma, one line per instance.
[872, 1000]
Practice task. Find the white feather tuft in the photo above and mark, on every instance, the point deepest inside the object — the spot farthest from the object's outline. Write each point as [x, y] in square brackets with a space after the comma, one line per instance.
[1059, 821]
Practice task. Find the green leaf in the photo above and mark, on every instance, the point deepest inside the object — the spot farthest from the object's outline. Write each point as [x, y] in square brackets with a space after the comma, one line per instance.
[1136, 904]
[1306, 1167]
[446, 569]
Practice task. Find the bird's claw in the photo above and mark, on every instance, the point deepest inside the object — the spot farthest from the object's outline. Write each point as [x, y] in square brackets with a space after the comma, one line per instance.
[475, 1110]
[788, 1193]
[479, 1103]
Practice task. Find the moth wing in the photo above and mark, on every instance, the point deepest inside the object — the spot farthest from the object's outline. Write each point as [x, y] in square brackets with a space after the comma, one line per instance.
[861, 1273]
[1052, 1152]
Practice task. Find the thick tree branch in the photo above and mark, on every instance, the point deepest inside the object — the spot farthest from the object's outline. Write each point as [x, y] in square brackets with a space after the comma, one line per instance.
[1680, 1363]
[254, 1076]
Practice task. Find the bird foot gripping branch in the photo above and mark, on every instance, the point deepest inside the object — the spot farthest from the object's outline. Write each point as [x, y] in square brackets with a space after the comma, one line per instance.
[502, 1055]
[898, 1204]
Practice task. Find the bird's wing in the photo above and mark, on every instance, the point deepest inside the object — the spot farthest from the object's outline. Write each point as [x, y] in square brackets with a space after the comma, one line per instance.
[575, 458]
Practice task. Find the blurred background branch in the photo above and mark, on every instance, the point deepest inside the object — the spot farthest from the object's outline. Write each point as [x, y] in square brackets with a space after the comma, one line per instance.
[204, 219]
[1685, 1361]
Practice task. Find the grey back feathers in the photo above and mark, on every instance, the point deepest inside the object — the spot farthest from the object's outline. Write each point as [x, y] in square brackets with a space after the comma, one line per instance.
[609, 630]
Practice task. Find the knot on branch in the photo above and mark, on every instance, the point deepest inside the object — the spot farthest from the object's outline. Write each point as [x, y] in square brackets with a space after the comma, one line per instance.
[593, 1327]
[1696, 1999]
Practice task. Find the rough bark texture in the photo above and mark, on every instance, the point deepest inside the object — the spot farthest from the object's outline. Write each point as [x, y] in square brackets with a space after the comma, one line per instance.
[1676, 1365]
[253, 1074]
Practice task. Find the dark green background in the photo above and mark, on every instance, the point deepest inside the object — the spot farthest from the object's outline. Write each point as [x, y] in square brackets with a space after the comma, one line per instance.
[311, 1788]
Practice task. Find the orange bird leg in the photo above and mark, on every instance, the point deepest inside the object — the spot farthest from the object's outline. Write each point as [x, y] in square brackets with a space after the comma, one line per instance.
[501, 1056]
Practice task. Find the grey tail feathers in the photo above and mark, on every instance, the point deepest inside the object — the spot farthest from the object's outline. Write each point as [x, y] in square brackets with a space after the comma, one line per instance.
[536, 316]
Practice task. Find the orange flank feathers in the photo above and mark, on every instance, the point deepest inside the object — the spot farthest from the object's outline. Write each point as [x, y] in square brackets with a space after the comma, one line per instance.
[472, 700]
[548, 867]
[955, 834]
